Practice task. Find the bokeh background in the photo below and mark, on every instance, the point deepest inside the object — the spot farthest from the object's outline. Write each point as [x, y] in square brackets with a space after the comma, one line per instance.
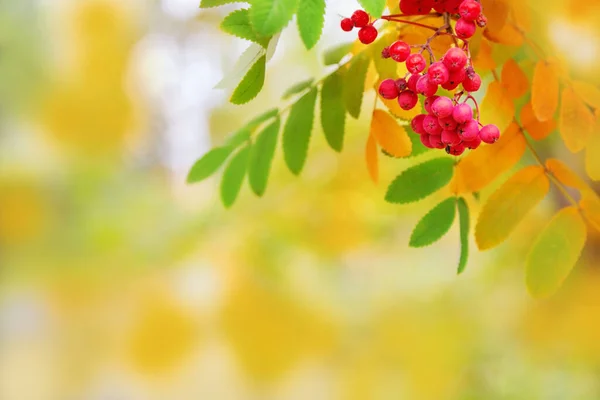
[120, 282]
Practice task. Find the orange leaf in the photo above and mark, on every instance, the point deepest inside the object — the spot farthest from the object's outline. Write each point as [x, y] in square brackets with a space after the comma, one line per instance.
[496, 12]
[398, 112]
[590, 205]
[509, 205]
[536, 129]
[514, 81]
[589, 93]
[484, 59]
[544, 91]
[481, 167]
[497, 107]
[592, 153]
[390, 135]
[565, 175]
[372, 157]
[508, 35]
[576, 121]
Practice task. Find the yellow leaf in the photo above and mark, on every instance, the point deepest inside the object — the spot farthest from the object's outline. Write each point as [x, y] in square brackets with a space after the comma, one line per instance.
[565, 175]
[535, 128]
[589, 93]
[479, 168]
[520, 14]
[576, 121]
[392, 5]
[555, 252]
[372, 157]
[397, 111]
[592, 153]
[508, 35]
[590, 206]
[496, 12]
[514, 81]
[484, 59]
[497, 107]
[507, 207]
[372, 78]
[390, 135]
[544, 91]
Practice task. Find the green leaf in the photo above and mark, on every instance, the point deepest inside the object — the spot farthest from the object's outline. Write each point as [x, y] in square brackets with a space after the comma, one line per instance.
[435, 224]
[464, 221]
[311, 18]
[555, 252]
[269, 17]
[297, 88]
[373, 7]
[354, 84]
[243, 134]
[384, 67]
[420, 181]
[335, 54]
[333, 111]
[251, 84]
[215, 3]
[238, 24]
[417, 146]
[261, 157]
[234, 175]
[208, 164]
[296, 134]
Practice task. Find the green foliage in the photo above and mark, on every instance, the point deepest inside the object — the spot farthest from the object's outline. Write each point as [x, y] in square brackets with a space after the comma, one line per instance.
[251, 84]
[354, 84]
[435, 224]
[209, 164]
[238, 24]
[297, 88]
[215, 3]
[373, 7]
[234, 175]
[464, 221]
[311, 18]
[420, 181]
[269, 17]
[261, 157]
[333, 111]
[335, 54]
[417, 147]
[296, 134]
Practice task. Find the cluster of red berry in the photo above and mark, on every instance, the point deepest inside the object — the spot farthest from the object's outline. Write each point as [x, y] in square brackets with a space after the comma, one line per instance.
[449, 123]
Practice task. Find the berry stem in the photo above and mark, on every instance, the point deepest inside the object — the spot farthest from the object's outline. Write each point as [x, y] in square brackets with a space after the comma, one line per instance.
[430, 15]
[404, 21]
[470, 97]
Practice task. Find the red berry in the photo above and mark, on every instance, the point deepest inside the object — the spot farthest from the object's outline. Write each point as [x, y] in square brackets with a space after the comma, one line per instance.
[426, 87]
[455, 59]
[415, 7]
[401, 84]
[489, 133]
[438, 73]
[385, 53]
[455, 150]
[442, 107]
[399, 51]
[388, 89]
[450, 137]
[431, 125]
[472, 144]
[417, 124]
[367, 34]
[462, 113]
[425, 140]
[412, 82]
[472, 84]
[469, 10]
[436, 141]
[428, 102]
[347, 25]
[408, 100]
[452, 6]
[456, 78]
[469, 130]
[416, 63]
[465, 29]
[448, 123]
[360, 18]
[439, 6]
[481, 21]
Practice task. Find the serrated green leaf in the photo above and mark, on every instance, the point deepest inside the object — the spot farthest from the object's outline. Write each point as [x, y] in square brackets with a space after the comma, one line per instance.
[417, 146]
[243, 134]
[335, 54]
[354, 84]
[297, 88]
[261, 157]
[373, 7]
[296, 134]
[234, 175]
[333, 111]
[311, 18]
[238, 24]
[251, 84]
[269, 17]
[420, 181]
[208, 164]
[434, 225]
[464, 222]
[215, 3]
[555, 252]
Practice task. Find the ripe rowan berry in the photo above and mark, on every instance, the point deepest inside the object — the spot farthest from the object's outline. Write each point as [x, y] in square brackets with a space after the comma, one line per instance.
[408, 100]
[450, 138]
[402, 84]
[428, 102]
[436, 141]
[388, 89]
[469, 130]
[438, 73]
[416, 63]
[469, 10]
[425, 140]
[367, 34]
[442, 107]
[399, 51]
[472, 83]
[489, 133]
[462, 113]
[472, 144]
[455, 150]
[481, 21]
[417, 124]
[431, 125]
[455, 59]
[360, 18]
[425, 86]
[347, 25]
[412, 82]
[465, 29]
[448, 123]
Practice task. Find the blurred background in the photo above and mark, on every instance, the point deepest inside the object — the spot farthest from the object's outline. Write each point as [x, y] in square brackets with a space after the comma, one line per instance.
[120, 282]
